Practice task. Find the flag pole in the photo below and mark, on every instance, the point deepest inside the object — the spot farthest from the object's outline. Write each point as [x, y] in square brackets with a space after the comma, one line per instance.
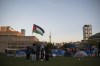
[32, 29]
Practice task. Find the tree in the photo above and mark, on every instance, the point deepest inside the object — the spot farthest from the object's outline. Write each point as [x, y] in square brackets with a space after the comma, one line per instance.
[65, 45]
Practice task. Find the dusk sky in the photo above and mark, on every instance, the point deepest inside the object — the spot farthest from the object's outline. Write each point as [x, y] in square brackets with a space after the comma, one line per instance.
[63, 18]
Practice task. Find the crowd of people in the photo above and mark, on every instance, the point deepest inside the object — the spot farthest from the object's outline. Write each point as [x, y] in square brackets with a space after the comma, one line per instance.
[37, 52]
[42, 52]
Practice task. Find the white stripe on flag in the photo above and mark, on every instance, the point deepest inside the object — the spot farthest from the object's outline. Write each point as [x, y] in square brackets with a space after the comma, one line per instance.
[39, 30]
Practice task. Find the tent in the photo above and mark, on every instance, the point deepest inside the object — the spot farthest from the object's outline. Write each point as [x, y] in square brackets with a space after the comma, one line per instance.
[20, 53]
[80, 54]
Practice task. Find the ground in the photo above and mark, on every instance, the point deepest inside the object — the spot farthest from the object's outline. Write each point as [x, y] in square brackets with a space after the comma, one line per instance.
[54, 61]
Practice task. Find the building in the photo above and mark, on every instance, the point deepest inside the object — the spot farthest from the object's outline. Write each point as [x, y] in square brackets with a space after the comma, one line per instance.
[23, 32]
[87, 31]
[10, 38]
[95, 39]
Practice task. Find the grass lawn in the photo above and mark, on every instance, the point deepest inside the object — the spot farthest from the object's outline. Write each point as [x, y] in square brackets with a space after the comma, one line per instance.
[55, 61]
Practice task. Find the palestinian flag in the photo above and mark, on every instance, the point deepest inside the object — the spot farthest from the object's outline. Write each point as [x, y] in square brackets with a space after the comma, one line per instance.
[38, 30]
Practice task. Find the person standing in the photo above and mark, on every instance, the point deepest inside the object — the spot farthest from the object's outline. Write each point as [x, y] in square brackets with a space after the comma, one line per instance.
[33, 51]
[28, 52]
[47, 52]
[94, 50]
[42, 52]
[38, 52]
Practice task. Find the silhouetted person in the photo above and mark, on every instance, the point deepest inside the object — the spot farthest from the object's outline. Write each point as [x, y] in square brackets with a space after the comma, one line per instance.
[47, 52]
[28, 52]
[33, 50]
[42, 52]
[37, 52]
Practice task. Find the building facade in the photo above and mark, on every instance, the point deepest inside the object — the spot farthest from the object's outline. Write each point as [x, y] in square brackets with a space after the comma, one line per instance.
[10, 38]
[87, 31]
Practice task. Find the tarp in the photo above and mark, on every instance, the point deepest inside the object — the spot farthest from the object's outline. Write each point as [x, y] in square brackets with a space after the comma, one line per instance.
[58, 52]
[20, 53]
